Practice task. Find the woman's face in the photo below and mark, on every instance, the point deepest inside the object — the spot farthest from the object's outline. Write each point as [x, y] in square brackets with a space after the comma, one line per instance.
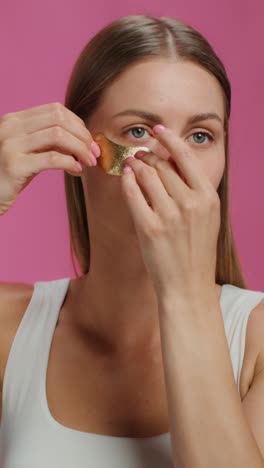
[174, 92]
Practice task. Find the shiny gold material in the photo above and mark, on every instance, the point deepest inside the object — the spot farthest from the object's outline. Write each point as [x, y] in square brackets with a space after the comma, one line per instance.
[113, 156]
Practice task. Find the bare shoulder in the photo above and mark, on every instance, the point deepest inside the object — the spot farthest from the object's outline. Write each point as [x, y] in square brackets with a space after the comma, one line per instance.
[254, 348]
[14, 300]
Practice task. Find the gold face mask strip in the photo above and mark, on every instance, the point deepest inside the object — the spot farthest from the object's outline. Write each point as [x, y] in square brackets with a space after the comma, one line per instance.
[113, 156]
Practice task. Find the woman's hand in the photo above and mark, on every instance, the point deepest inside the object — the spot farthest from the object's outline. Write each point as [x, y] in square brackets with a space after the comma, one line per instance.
[34, 140]
[178, 232]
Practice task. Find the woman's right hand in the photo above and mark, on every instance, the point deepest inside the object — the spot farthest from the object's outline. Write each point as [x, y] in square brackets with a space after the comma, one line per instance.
[44, 137]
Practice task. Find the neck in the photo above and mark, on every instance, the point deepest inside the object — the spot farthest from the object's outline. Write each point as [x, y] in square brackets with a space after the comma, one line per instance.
[116, 300]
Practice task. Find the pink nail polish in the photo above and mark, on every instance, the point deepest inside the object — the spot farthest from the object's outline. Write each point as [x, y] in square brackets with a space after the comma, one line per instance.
[158, 129]
[95, 149]
[79, 167]
[93, 159]
[129, 159]
[140, 154]
[127, 169]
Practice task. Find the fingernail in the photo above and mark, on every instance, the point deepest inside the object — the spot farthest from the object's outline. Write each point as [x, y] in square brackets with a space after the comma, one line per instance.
[93, 159]
[158, 129]
[140, 154]
[79, 167]
[130, 158]
[95, 149]
[127, 169]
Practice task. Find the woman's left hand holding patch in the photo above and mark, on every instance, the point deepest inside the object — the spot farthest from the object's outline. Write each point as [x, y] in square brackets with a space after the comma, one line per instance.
[178, 231]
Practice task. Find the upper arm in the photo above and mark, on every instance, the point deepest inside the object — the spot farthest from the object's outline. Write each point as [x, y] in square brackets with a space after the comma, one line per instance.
[253, 401]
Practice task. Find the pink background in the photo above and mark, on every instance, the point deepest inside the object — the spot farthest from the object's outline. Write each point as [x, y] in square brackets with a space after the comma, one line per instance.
[39, 43]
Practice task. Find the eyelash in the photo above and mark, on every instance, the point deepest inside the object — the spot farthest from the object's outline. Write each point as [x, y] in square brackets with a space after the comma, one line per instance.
[210, 137]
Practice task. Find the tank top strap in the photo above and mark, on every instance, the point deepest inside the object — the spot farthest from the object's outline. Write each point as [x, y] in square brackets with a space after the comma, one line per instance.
[31, 345]
[236, 305]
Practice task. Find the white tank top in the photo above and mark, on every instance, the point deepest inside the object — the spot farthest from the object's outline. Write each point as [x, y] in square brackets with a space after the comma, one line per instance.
[31, 438]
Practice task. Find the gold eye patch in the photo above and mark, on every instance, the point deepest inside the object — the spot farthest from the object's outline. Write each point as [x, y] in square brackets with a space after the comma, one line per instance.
[113, 156]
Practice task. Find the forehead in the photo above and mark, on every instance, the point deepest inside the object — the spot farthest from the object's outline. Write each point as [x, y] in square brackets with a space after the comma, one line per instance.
[161, 86]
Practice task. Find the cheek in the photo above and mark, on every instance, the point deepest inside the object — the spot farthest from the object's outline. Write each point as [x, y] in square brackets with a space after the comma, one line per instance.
[213, 167]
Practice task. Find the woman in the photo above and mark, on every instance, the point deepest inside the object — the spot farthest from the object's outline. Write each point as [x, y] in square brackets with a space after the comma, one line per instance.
[138, 361]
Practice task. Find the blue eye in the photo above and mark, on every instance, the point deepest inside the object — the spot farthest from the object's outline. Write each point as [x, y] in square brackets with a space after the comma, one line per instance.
[201, 137]
[138, 132]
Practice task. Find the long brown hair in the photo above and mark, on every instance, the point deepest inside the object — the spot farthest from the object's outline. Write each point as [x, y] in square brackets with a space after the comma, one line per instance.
[124, 42]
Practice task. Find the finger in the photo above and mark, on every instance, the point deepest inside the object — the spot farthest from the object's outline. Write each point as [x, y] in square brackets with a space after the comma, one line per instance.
[46, 120]
[56, 138]
[46, 116]
[183, 157]
[151, 184]
[140, 155]
[55, 108]
[138, 206]
[171, 180]
[36, 163]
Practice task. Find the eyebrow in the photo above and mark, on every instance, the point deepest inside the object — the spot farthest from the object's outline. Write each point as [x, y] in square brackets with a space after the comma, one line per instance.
[157, 119]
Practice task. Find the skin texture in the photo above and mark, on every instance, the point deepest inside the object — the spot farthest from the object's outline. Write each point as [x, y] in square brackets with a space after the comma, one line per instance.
[175, 91]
